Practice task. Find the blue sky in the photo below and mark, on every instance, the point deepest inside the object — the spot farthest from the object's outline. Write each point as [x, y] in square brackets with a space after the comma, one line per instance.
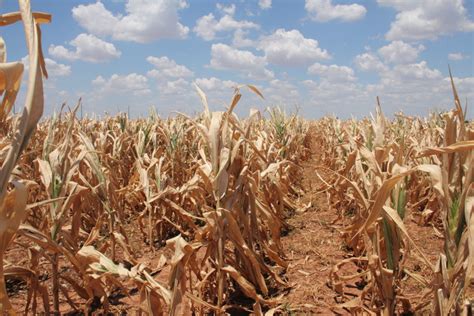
[320, 56]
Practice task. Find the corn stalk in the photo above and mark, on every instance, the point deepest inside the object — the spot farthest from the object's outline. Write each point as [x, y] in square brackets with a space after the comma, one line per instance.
[13, 203]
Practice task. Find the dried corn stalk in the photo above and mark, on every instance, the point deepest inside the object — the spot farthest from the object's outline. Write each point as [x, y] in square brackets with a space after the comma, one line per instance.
[13, 203]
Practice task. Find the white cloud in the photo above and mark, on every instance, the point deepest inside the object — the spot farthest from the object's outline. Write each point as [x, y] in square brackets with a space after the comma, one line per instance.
[411, 87]
[228, 58]
[165, 67]
[179, 86]
[207, 26]
[325, 10]
[464, 86]
[291, 48]
[239, 40]
[414, 72]
[395, 53]
[213, 83]
[87, 48]
[369, 62]
[399, 52]
[427, 19]
[170, 77]
[265, 4]
[95, 18]
[340, 98]
[54, 68]
[335, 91]
[399, 72]
[230, 10]
[123, 84]
[333, 73]
[281, 92]
[145, 20]
[457, 56]
[414, 88]
[99, 81]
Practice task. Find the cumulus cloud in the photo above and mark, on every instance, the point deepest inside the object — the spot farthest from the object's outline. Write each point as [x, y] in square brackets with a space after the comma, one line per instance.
[282, 92]
[225, 57]
[416, 88]
[265, 4]
[334, 73]
[54, 68]
[399, 52]
[406, 84]
[457, 56]
[240, 40]
[291, 48]
[403, 66]
[230, 10]
[208, 26]
[133, 83]
[336, 89]
[325, 10]
[334, 97]
[179, 86]
[214, 83]
[369, 62]
[464, 86]
[427, 19]
[144, 21]
[88, 48]
[166, 67]
[95, 18]
[414, 72]
[171, 78]
[395, 53]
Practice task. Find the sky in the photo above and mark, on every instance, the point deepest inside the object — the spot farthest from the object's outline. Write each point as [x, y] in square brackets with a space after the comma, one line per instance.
[319, 57]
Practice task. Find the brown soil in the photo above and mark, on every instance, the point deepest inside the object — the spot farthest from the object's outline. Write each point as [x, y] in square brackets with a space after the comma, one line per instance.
[313, 246]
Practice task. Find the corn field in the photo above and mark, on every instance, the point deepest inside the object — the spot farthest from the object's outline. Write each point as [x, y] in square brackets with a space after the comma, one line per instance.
[186, 215]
